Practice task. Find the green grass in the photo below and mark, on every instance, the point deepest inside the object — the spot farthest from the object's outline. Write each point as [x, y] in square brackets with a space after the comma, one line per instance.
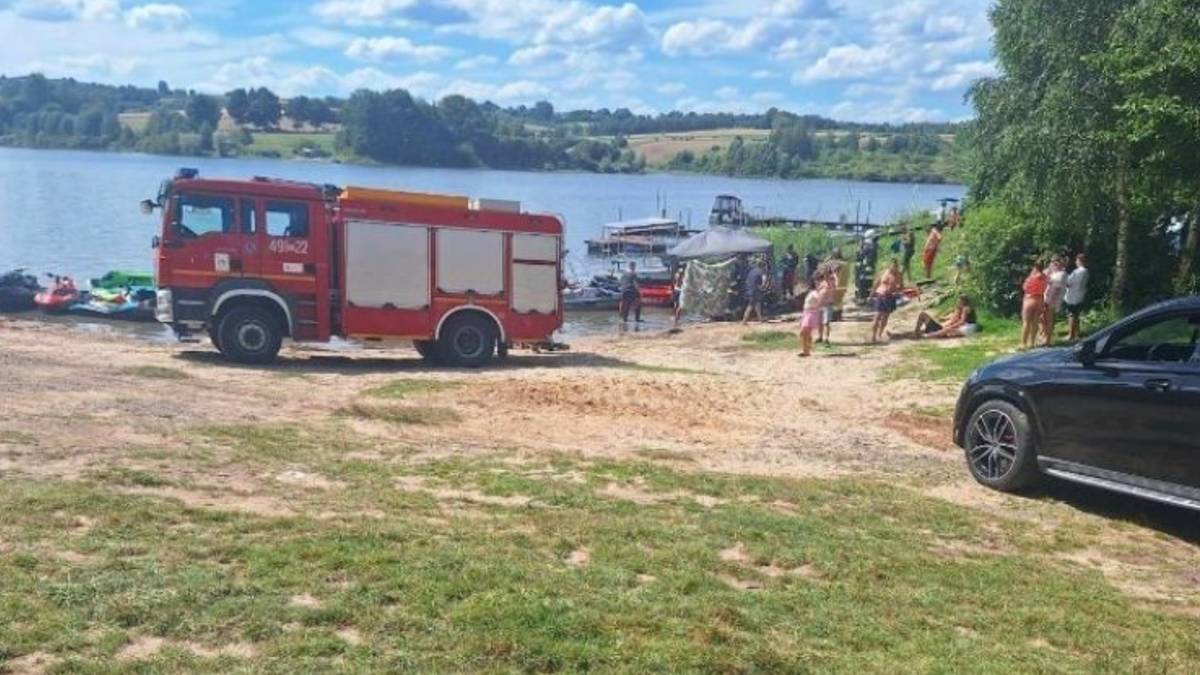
[14, 437]
[401, 414]
[835, 575]
[770, 340]
[405, 387]
[285, 145]
[661, 370]
[156, 373]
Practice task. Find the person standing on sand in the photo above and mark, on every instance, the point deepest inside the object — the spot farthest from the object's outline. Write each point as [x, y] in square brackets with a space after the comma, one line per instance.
[828, 287]
[1033, 305]
[677, 294]
[1056, 292]
[811, 319]
[753, 290]
[932, 243]
[1077, 284]
[631, 294]
[790, 263]
[885, 296]
[908, 248]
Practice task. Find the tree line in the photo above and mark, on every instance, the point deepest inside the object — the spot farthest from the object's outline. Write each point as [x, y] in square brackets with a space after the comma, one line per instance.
[794, 149]
[1086, 141]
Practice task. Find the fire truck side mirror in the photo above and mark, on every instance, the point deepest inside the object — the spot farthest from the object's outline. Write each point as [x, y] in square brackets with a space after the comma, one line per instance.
[147, 206]
[155, 242]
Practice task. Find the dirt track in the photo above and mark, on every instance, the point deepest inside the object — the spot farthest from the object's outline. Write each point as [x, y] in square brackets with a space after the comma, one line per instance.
[77, 402]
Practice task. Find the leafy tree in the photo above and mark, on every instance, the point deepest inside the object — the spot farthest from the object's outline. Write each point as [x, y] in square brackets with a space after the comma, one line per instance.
[299, 110]
[206, 137]
[237, 104]
[203, 110]
[264, 110]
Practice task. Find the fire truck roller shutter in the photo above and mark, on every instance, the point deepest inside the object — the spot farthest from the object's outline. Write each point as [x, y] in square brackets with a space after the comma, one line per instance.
[387, 265]
[470, 260]
[535, 273]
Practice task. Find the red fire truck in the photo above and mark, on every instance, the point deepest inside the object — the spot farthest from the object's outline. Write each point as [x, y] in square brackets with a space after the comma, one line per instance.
[252, 262]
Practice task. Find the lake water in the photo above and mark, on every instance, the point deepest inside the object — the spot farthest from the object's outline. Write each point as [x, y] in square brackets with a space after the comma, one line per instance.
[76, 212]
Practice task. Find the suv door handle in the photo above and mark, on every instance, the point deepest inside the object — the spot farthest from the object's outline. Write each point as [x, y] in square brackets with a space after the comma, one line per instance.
[1159, 386]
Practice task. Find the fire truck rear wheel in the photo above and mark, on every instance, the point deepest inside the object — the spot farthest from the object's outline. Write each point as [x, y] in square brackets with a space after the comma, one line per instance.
[467, 340]
[249, 335]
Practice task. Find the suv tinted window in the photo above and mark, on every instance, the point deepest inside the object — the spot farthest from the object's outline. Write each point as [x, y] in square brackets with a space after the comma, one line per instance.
[198, 215]
[1171, 340]
[287, 219]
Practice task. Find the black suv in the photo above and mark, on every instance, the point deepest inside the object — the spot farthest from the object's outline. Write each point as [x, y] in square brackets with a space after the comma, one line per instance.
[1119, 411]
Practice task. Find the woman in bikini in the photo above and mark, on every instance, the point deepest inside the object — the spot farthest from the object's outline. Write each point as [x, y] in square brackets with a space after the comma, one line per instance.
[1033, 306]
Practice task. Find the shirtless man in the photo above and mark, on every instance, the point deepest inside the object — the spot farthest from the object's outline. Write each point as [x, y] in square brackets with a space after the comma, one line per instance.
[886, 294]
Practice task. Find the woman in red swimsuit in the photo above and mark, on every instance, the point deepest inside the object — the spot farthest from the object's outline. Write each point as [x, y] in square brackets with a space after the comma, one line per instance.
[1033, 306]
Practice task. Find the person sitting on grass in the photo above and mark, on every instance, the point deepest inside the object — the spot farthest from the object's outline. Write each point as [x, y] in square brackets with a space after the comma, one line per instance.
[960, 322]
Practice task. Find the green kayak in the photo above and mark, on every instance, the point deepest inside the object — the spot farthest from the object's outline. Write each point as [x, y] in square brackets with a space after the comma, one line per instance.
[120, 279]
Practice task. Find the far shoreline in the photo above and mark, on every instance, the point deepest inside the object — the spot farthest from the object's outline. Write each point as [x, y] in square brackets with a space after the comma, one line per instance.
[364, 162]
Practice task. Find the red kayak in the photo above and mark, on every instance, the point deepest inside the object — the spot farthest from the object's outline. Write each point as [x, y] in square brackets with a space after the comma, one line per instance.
[60, 296]
[656, 295]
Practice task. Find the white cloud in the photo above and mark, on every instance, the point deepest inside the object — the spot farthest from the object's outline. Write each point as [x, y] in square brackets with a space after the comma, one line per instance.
[90, 66]
[158, 16]
[68, 10]
[536, 55]
[313, 36]
[390, 47]
[360, 11]
[519, 91]
[959, 75]
[476, 62]
[726, 93]
[763, 75]
[708, 37]
[420, 83]
[766, 97]
[877, 112]
[852, 61]
[671, 88]
[579, 24]
[802, 9]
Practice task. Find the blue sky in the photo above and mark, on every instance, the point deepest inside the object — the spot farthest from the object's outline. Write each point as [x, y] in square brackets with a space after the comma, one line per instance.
[866, 60]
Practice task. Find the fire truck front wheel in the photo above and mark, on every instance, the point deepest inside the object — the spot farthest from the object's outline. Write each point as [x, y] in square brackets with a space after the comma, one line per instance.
[249, 335]
[467, 340]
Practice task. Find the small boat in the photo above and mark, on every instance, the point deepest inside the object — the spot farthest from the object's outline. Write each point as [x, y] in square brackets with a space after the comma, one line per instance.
[59, 296]
[127, 305]
[591, 299]
[120, 279]
[645, 236]
[727, 211]
[17, 290]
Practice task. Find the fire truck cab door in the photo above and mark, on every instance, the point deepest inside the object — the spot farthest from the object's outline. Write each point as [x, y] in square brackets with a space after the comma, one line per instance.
[206, 239]
[294, 260]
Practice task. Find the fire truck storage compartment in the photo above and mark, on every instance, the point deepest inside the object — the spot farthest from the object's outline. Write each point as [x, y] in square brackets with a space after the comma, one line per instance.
[535, 273]
[470, 261]
[387, 266]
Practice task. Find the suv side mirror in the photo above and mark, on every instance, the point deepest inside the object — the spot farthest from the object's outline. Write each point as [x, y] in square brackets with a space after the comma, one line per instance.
[1085, 352]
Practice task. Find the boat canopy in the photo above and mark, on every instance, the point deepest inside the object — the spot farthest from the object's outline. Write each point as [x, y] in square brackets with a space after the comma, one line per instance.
[718, 242]
[642, 225]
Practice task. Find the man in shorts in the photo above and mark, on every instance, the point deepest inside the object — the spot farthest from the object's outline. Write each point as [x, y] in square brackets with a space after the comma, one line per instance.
[1076, 297]
[753, 290]
[631, 294]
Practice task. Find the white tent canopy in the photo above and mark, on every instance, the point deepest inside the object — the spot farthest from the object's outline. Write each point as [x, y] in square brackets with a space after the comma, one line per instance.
[717, 242]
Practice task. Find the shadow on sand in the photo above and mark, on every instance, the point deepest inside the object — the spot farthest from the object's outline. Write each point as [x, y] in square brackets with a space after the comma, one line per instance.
[369, 365]
[1172, 521]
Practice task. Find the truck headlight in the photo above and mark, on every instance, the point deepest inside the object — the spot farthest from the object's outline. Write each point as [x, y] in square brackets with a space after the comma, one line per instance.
[164, 306]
